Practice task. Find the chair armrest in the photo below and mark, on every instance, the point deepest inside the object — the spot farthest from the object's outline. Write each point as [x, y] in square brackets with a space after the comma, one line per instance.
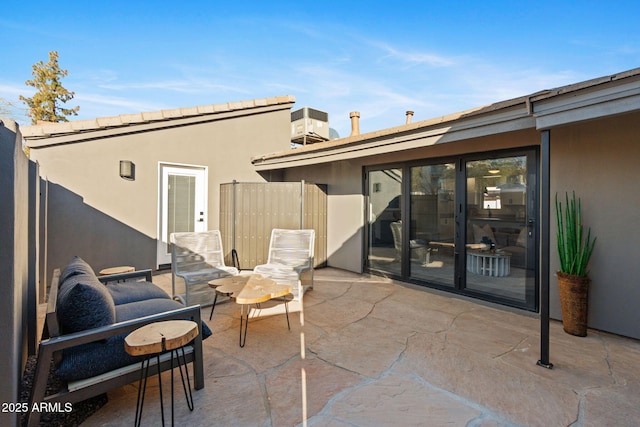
[52, 328]
[96, 334]
[126, 276]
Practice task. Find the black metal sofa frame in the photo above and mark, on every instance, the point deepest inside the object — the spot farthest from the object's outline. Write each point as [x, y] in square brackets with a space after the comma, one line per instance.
[52, 344]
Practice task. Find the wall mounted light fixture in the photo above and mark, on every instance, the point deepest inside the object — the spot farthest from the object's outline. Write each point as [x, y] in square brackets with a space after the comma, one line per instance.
[127, 170]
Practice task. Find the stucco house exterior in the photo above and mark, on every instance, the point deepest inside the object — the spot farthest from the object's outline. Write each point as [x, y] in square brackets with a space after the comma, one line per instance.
[490, 172]
[412, 202]
[114, 188]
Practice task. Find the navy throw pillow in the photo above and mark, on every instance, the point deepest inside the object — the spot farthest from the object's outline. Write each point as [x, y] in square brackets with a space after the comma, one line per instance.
[84, 303]
[76, 266]
[126, 292]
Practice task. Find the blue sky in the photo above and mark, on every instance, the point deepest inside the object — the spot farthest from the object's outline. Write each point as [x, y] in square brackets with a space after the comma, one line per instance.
[379, 58]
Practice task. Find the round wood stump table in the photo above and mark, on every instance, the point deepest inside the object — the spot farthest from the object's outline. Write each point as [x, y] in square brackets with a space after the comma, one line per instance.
[116, 270]
[246, 290]
[151, 341]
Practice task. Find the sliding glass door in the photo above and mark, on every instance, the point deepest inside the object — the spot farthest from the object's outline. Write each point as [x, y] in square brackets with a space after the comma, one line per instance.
[384, 221]
[432, 209]
[468, 225]
[500, 228]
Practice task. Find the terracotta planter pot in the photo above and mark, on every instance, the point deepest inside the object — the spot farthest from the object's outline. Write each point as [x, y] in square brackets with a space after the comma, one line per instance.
[573, 300]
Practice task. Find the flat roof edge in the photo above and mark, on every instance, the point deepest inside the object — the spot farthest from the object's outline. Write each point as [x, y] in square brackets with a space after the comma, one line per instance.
[48, 130]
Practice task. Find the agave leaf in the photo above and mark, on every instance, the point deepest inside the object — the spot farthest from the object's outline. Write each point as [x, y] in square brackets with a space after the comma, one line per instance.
[574, 249]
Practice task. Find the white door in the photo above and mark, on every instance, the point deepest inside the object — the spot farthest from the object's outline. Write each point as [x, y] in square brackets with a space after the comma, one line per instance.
[182, 204]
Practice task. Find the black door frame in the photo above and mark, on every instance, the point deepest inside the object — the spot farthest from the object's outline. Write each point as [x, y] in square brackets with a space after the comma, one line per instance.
[533, 216]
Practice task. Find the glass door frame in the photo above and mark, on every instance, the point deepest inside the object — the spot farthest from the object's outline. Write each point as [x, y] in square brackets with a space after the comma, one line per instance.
[532, 222]
[200, 203]
[460, 220]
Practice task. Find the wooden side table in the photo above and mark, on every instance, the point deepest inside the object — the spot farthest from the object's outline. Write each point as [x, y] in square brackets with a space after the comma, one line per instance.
[116, 270]
[153, 340]
[246, 290]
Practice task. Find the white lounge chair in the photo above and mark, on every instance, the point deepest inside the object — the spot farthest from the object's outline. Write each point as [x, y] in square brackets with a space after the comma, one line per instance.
[418, 248]
[290, 255]
[197, 257]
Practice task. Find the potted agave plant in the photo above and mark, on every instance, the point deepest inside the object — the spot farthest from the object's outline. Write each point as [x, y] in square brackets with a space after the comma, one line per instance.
[574, 251]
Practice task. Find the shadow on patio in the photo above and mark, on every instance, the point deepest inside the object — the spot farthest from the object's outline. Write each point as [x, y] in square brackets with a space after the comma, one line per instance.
[369, 351]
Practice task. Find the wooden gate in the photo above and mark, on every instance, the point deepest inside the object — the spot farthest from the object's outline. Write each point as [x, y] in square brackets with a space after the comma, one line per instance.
[249, 211]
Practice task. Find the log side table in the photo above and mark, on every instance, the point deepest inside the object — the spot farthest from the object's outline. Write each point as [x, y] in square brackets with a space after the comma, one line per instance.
[116, 270]
[251, 289]
[151, 341]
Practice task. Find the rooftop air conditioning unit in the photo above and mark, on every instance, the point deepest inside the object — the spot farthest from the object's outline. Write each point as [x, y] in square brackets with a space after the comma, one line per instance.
[309, 126]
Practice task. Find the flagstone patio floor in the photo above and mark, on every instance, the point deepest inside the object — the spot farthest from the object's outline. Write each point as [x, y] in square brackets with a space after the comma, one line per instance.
[367, 351]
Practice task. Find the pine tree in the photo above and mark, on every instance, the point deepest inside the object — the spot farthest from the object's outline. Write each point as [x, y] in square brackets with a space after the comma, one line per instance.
[45, 104]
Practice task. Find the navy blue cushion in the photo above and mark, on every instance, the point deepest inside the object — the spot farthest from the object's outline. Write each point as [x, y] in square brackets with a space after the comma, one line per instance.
[96, 358]
[135, 310]
[84, 303]
[88, 360]
[76, 266]
[139, 309]
[126, 292]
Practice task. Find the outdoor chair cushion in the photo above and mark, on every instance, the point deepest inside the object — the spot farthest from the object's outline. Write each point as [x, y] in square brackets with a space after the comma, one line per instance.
[126, 292]
[84, 303]
[76, 266]
[88, 360]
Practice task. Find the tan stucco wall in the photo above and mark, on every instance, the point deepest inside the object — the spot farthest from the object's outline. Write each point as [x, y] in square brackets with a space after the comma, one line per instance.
[599, 161]
[345, 210]
[115, 221]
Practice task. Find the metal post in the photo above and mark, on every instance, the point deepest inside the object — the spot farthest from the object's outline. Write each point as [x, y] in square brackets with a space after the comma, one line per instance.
[233, 202]
[302, 206]
[545, 200]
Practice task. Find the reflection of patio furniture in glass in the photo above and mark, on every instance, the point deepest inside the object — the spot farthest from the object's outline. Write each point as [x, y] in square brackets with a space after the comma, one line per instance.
[197, 257]
[487, 263]
[418, 248]
[450, 245]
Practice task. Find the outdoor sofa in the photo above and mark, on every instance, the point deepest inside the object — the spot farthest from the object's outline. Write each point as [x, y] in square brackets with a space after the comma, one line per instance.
[86, 322]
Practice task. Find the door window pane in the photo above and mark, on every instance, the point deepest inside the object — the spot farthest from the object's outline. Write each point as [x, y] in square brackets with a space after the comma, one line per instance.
[181, 198]
[432, 223]
[385, 236]
[498, 239]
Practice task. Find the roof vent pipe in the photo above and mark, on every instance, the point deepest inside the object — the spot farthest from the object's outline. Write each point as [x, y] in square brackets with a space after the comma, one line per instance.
[409, 116]
[355, 123]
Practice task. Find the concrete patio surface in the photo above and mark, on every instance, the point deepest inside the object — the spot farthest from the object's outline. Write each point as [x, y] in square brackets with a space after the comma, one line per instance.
[364, 350]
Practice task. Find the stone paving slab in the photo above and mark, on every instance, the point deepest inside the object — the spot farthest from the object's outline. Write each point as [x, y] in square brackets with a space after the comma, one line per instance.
[516, 394]
[311, 381]
[368, 351]
[368, 347]
[400, 400]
